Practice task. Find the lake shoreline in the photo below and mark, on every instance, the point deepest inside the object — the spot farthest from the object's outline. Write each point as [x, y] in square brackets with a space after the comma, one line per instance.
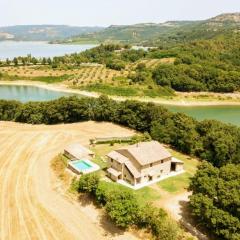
[39, 49]
[177, 102]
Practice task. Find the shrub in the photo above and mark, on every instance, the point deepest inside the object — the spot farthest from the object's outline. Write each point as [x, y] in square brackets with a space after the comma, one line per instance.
[116, 65]
[123, 208]
[141, 67]
[161, 226]
[88, 183]
[106, 191]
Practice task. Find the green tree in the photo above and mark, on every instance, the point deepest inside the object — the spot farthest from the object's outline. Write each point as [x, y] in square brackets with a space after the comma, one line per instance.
[15, 61]
[88, 183]
[216, 199]
[123, 208]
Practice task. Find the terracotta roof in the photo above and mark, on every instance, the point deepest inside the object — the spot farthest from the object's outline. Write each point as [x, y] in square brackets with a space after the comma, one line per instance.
[117, 157]
[148, 152]
[114, 172]
[122, 159]
[77, 150]
[132, 169]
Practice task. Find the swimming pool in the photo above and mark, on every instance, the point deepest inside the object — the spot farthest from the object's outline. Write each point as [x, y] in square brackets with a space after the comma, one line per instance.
[83, 166]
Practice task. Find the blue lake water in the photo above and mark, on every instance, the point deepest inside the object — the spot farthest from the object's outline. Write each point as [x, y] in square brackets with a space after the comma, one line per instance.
[11, 49]
[29, 93]
[227, 114]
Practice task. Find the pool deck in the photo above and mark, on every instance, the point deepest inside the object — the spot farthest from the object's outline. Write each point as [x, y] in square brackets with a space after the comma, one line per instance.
[94, 167]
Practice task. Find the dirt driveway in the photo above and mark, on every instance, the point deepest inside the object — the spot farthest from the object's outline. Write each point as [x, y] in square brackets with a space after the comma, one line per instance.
[30, 208]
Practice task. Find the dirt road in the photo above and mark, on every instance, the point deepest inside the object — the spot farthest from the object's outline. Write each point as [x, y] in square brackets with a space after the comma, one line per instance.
[30, 207]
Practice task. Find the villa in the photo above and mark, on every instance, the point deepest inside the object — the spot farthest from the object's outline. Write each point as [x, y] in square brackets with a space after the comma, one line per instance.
[142, 164]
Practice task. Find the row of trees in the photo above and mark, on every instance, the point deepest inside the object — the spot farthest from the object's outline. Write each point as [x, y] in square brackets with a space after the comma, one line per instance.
[125, 210]
[25, 61]
[211, 140]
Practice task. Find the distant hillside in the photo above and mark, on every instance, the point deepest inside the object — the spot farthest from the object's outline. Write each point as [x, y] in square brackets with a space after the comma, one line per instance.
[43, 32]
[168, 32]
[138, 33]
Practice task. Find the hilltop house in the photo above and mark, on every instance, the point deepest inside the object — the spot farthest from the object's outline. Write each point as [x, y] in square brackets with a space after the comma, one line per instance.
[142, 163]
[76, 151]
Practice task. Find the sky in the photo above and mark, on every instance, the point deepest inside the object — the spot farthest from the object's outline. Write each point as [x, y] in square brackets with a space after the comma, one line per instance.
[109, 12]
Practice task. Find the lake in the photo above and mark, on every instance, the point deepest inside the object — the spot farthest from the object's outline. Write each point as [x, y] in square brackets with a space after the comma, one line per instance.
[227, 114]
[11, 49]
[29, 93]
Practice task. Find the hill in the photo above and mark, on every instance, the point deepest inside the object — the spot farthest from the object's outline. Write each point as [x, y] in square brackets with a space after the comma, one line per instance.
[132, 34]
[165, 33]
[43, 32]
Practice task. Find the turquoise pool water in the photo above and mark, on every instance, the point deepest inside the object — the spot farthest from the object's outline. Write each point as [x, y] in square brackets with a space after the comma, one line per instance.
[81, 165]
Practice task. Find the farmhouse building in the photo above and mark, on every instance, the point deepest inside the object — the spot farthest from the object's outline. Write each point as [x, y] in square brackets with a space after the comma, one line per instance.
[142, 163]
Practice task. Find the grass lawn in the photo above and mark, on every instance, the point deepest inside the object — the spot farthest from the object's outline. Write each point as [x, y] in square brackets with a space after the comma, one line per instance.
[101, 150]
[147, 195]
[111, 90]
[129, 91]
[180, 183]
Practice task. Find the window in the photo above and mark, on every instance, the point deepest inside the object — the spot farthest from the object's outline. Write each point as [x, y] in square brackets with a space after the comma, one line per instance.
[111, 160]
[162, 161]
[151, 165]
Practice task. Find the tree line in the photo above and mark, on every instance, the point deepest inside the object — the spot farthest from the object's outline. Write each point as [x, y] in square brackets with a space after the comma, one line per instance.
[209, 140]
